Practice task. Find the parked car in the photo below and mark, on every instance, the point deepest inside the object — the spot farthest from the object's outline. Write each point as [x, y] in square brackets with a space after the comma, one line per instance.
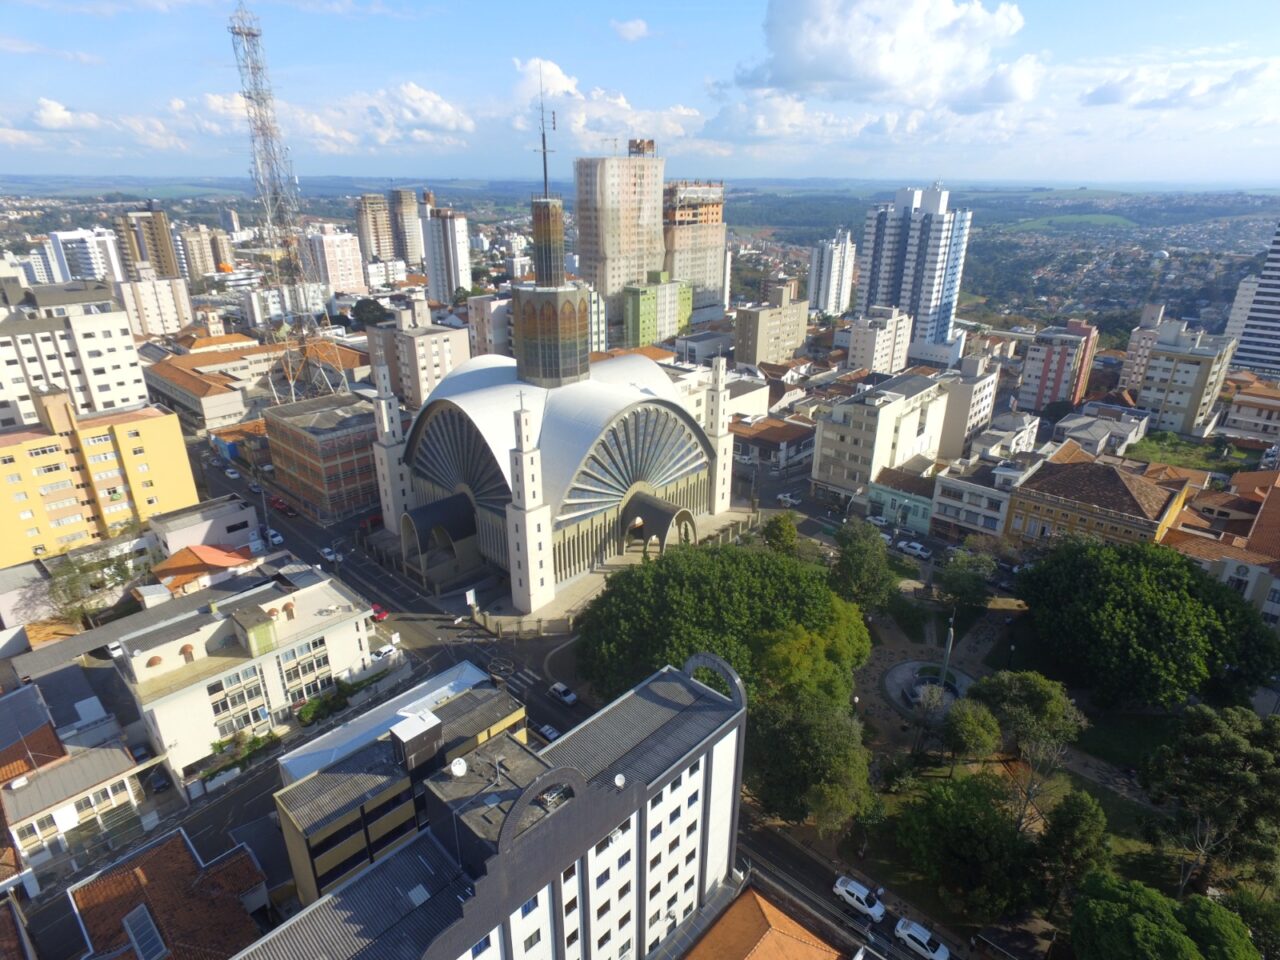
[382, 653]
[289, 511]
[878, 521]
[255, 487]
[379, 613]
[920, 940]
[160, 781]
[276, 503]
[862, 899]
[563, 694]
[913, 549]
[232, 473]
[274, 538]
[549, 733]
[788, 499]
[888, 540]
[217, 462]
[330, 554]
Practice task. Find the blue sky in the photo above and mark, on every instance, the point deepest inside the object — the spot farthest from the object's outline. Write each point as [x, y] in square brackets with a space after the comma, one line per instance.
[1077, 90]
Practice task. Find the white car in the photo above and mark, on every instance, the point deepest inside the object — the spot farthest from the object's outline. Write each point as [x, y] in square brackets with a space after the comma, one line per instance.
[788, 500]
[274, 537]
[919, 940]
[888, 540]
[913, 549]
[383, 653]
[862, 899]
[563, 694]
[549, 733]
[878, 521]
[329, 554]
[232, 473]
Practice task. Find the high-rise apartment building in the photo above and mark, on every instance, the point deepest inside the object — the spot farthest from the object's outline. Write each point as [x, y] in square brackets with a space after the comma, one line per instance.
[1056, 367]
[74, 480]
[878, 341]
[912, 257]
[146, 241]
[406, 229]
[155, 307]
[373, 227]
[831, 273]
[620, 223]
[196, 247]
[616, 841]
[87, 254]
[771, 334]
[657, 310]
[693, 231]
[1176, 374]
[229, 219]
[489, 317]
[447, 254]
[71, 336]
[337, 257]
[1255, 316]
[971, 400]
[417, 355]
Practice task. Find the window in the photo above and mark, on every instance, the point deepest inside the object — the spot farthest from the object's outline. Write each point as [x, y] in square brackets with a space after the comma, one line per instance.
[142, 932]
[571, 906]
[604, 939]
[529, 906]
[657, 859]
[571, 939]
[624, 859]
[532, 940]
[657, 799]
[624, 889]
[675, 815]
[654, 831]
[603, 909]
[694, 768]
[602, 879]
[571, 872]
[693, 799]
[480, 947]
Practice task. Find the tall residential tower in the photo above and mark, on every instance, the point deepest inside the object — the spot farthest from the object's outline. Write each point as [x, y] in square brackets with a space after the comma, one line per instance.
[831, 271]
[693, 232]
[1255, 316]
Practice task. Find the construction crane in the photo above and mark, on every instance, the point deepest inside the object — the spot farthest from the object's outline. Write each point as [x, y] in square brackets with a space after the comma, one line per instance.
[311, 361]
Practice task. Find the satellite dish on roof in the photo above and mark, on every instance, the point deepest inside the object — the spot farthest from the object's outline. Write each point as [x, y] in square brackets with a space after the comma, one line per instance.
[620, 781]
[459, 767]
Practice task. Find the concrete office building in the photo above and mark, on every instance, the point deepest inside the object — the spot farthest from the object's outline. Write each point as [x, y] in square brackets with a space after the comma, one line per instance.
[971, 400]
[1057, 364]
[620, 222]
[446, 254]
[75, 480]
[912, 257]
[155, 308]
[229, 220]
[87, 254]
[1176, 376]
[385, 274]
[322, 450]
[832, 267]
[877, 341]
[694, 234]
[657, 310]
[610, 843]
[202, 250]
[883, 428]
[490, 319]
[373, 228]
[773, 333]
[70, 336]
[406, 230]
[1255, 316]
[365, 805]
[145, 241]
[337, 257]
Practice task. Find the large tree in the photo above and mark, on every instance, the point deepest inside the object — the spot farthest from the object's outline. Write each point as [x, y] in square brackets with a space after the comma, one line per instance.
[1140, 623]
[1262, 917]
[1113, 918]
[963, 580]
[367, 312]
[1073, 843]
[861, 572]
[1039, 719]
[970, 729]
[1219, 933]
[961, 834]
[780, 534]
[1222, 776]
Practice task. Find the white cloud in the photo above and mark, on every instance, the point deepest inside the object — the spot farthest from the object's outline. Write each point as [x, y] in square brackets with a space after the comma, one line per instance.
[545, 76]
[910, 52]
[152, 133]
[10, 137]
[1178, 85]
[52, 115]
[20, 47]
[630, 30]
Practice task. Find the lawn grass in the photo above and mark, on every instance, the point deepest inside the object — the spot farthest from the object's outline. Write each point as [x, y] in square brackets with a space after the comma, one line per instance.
[1069, 221]
[1126, 740]
[903, 567]
[1178, 452]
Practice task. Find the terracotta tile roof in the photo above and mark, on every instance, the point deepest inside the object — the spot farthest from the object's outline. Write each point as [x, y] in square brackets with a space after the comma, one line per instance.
[905, 482]
[1265, 536]
[196, 384]
[196, 907]
[194, 342]
[1070, 452]
[771, 429]
[1165, 473]
[1211, 548]
[1102, 485]
[12, 944]
[1258, 482]
[241, 431]
[753, 927]
[191, 563]
[1258, 391]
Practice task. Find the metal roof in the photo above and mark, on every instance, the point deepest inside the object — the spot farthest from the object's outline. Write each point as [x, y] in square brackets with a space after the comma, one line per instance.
[58, 782]
[22, 712]
[341, 787]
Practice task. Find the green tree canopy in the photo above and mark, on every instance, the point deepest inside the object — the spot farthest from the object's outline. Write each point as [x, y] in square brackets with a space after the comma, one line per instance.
[1074, 841]
[1114, 918]
[1222, 774]
[861, 572]
[962, 835]
[1262, 917]
[970, 729]
[367, 312]
[1219, 933]
[1141, 623]
[780, 534]
[963, 580]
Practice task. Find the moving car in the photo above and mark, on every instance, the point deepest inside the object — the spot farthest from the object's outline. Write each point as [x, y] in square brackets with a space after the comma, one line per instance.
[563, 694]
[255, 487]
[854, 895]
[232, 473]
[788, 499]
[913, 549]
[379, 613]
[382, 653]
[919, 940]
[329, 554]
[274, 538]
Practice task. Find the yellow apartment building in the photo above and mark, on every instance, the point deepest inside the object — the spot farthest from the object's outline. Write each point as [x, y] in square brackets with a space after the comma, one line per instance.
[68, 481]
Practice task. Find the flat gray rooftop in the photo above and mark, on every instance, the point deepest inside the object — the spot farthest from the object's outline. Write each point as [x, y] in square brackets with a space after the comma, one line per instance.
[497, 773]
[205, 510]
[324, 414]
[341, 787]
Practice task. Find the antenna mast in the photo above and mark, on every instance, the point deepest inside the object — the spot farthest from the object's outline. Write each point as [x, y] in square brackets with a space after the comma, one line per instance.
[542, 128]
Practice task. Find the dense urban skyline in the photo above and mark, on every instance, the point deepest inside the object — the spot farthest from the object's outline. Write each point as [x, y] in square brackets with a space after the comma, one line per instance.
[860, 88]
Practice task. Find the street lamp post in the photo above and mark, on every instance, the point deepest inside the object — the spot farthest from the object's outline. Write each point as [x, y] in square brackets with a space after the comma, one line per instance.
[946, 657]
[1012, 647]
